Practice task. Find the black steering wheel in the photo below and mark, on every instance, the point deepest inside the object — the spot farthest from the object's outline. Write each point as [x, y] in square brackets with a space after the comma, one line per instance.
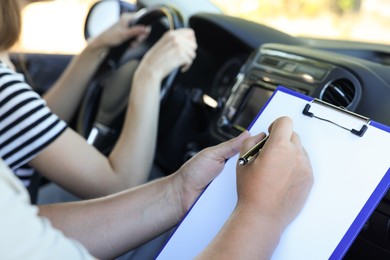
[103, 107]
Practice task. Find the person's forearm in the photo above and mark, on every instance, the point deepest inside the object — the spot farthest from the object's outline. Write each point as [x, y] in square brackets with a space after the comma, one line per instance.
[130, 162]
[134, 152]
[64, 96]
[173, 50]
[113, 225]
[248, 234]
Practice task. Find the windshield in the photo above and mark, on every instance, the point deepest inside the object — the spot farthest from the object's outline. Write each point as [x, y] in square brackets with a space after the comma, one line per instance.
[355, 20]
[47, 27]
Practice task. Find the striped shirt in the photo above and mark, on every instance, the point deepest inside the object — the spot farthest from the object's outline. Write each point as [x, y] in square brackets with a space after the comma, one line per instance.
[27, 125]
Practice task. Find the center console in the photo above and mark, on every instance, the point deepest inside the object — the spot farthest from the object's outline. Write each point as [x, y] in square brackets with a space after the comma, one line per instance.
[268, 68]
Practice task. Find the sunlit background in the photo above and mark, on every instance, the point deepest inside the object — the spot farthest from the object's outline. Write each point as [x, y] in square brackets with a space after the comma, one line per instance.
[362, 20]
[57, 26]
[54, 27]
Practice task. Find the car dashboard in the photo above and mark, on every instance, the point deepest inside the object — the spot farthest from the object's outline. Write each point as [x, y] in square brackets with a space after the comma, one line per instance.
[239, 64]
[340, 80]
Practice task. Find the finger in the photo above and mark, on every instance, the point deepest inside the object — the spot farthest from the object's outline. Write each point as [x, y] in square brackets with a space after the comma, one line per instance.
[251, 142]
[136, 31]
[144, 35]
[278, 119]
[189, 54]
[141, 37]
[295, 138]
[185, 68]
[308, 161]
[230, 148]
[189, 60]
[187, 32]
[281, 129]
[126, 18]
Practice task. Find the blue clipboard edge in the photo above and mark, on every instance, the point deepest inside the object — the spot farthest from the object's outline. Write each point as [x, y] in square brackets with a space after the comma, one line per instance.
[372, 202]
[366, 211]
[363, 215]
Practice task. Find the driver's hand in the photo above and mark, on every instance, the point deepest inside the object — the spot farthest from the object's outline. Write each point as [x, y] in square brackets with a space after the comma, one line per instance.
[193, 176]
[176, 48]
[120, 32]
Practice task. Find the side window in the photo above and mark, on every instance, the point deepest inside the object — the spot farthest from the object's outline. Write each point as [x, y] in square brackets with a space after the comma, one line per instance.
[357, 20]
[54, 27]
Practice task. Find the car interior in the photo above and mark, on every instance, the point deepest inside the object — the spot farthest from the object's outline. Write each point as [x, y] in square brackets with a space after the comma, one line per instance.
[238, 66]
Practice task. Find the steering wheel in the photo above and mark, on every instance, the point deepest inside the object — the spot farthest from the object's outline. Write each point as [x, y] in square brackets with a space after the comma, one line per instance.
[103, 107]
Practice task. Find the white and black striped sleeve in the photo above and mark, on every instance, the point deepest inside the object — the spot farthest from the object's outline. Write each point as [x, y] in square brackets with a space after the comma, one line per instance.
[27, 125]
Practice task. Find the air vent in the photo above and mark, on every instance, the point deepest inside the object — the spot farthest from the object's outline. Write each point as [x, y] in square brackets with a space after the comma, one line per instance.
[340, 93]
[273, 62]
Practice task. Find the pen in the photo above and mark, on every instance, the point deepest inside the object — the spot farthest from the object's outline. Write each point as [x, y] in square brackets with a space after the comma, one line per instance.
[248, 156]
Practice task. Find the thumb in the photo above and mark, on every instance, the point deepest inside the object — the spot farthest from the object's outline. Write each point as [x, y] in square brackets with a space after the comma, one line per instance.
[231, 147]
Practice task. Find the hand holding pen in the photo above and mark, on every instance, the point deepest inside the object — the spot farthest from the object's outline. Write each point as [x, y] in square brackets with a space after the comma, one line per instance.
[277, 178]
[252, 153]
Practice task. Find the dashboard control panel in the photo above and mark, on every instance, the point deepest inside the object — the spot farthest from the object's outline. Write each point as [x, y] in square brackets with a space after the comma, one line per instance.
[266, 69]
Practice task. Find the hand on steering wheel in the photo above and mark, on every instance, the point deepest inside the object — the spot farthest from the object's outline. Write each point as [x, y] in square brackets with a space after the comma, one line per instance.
[162, 60]
[121, 32]
[175, 49]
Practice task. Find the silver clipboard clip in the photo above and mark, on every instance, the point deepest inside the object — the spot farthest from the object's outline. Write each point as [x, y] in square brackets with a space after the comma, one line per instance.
[360, 132]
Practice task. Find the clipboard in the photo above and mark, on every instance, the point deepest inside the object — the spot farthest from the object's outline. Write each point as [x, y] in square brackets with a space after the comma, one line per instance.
[351, 176]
